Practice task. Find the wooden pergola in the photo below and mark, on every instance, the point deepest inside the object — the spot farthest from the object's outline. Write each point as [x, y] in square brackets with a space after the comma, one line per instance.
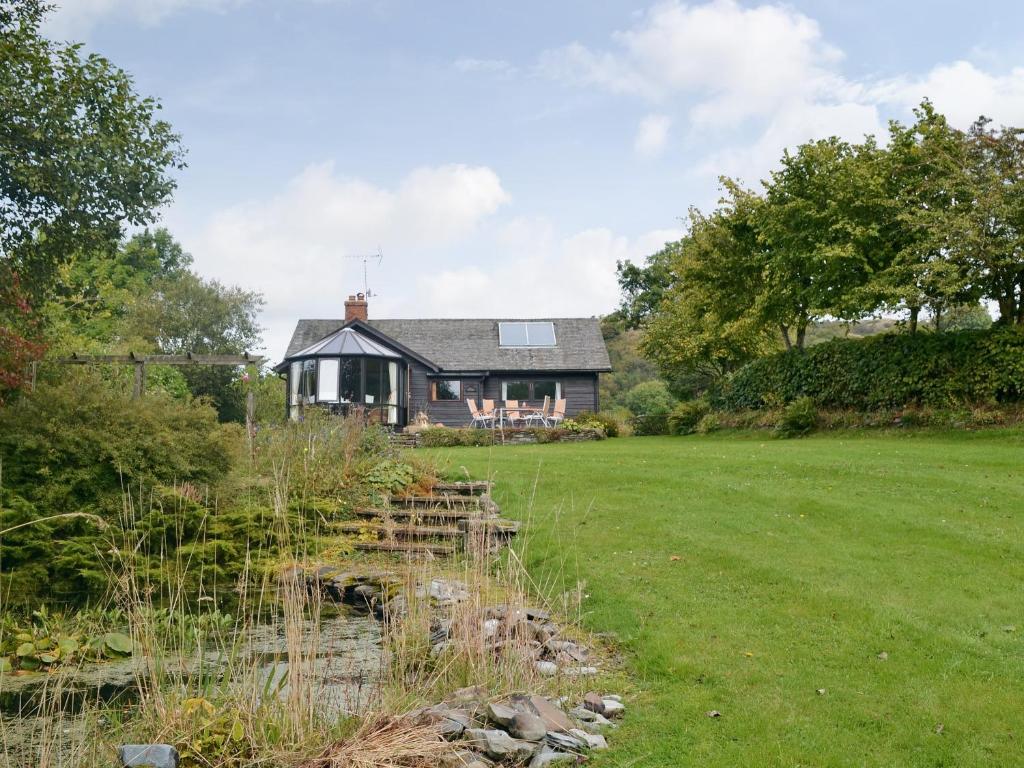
[141, 361]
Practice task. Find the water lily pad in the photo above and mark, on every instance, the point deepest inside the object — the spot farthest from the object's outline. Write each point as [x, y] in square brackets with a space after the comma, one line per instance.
[68, 646]
[118, 643]
[26, 649]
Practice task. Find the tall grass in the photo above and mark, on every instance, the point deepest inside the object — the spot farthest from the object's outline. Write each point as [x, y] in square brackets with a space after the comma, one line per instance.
[201, 686]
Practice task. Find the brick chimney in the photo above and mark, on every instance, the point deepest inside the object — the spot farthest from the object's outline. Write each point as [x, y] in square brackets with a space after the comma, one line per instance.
[356, 308]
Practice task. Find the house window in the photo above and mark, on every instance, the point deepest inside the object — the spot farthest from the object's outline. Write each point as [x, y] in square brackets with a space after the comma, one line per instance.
[526, 334]
[542, 389]
[515, 390]
[530, 390]
[446, 389]
[351, 379]
[294, 382]
[307, 387]
[327, 381]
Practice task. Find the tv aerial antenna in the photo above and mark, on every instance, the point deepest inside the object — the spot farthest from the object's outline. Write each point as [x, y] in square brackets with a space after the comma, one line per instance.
[366, 258]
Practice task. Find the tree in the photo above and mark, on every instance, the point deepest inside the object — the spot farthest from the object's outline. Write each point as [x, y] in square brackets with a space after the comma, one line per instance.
[708, 322]
[819, 221]
[643, 287]
[924, 191]
[989, 233]
[81, 155]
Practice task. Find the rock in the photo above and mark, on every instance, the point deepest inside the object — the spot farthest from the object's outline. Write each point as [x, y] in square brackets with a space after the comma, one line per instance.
[438, 648]
[546, 668]
[500, 714]
[447, 592]
[598, 725]
[541, 633]
[473, 700]
[464, 758]
[554, 718]
[440, 631]
[537, 614]
[565, 742]
[580, 671]
[548, 756]
[527, 727]
[366, 592]
[149, 755]
[593, 741]
[593, 702]
[573, 651]
[491, 627]
[613, 708]
[613, 697]
[499, 745]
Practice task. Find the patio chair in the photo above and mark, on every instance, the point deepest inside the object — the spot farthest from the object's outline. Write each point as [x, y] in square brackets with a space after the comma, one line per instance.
[487, 409]
[540, 416]
[479, 419]
[558, 415]
[512, 412]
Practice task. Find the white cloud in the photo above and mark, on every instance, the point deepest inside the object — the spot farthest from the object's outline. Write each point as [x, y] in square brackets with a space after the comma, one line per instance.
[535, 273]
[75, 17]
[652, 135]
[959, 90]
[293, 246]
[738, 61]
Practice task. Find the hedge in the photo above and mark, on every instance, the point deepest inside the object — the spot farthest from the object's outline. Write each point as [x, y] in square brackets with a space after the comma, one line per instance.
[886, 371]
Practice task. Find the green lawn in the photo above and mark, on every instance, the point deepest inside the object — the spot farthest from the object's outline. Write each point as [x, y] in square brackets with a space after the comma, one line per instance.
[799, 562]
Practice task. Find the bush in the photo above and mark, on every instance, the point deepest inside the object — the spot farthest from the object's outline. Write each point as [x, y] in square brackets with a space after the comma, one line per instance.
[650, 403]
[447, 437]
[711, 422]
[798, 418]
[602, 421]
[76, 450]
[685, 417]
[649, 397]
[937, 370]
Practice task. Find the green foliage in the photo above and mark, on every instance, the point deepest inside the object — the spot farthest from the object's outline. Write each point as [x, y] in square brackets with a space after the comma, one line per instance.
[710, 422]
[602, 421]
[886, 371]
[81, 156]
[73, 450]
[629, 366]
[43, 640]
[650, 403]
[923, 226]
[798, 418]
[685, 416]
[447, 437]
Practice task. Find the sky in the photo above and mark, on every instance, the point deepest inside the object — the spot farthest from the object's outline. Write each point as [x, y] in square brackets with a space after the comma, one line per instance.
[503, 156]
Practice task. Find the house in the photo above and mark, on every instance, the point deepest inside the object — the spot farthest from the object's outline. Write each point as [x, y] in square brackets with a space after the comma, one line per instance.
[396, 368]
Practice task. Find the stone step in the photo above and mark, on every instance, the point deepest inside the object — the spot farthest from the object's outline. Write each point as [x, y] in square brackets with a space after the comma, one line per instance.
[436, 500]
[464, 488]
[420, 514]
[406, 546]
[399, 530]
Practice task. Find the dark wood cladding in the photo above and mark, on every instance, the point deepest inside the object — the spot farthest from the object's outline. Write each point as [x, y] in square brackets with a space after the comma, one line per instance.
[580, 391]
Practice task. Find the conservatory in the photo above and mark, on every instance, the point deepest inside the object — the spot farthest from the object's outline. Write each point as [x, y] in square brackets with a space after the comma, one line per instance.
[347, 372]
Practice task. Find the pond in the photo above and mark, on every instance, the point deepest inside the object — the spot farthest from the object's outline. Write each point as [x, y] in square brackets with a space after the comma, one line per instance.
[342, 660]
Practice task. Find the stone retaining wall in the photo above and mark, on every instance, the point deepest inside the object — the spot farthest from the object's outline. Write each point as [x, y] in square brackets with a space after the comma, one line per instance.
[502, 437]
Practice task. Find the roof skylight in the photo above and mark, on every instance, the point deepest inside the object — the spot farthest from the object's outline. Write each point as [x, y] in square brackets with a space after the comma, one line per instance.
[526, 334]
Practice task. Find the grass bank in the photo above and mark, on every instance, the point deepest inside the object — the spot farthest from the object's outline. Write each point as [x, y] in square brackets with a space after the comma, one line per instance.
[840, 600]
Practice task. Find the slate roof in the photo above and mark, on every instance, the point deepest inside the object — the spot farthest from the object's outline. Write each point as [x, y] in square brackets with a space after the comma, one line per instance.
[472, 345]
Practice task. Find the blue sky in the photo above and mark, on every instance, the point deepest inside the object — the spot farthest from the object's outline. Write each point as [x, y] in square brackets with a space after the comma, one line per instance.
[504, 155]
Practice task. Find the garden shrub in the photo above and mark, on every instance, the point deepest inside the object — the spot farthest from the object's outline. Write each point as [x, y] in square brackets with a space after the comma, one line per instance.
[938, 370]
[710, 422]
[604, 422]
[685, 417]
[798, 418]
[650, 403]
